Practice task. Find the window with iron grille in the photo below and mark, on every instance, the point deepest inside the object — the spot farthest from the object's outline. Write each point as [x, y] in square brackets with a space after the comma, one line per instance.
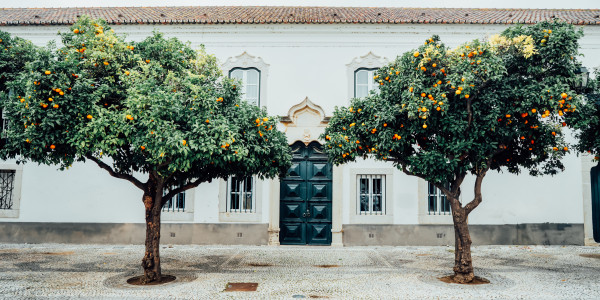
[7, 184]
[371, 194]
[250, 78]
[364, 82]
[438, 203]
[175, 204]
[240, 195]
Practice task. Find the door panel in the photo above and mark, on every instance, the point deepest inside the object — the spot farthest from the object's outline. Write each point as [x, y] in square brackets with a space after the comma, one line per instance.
[595, 181]
[305, 197]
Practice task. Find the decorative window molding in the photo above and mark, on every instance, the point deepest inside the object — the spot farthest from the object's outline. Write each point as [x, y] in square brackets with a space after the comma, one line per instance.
[367, 61]
[10, 190]
[246, 61]
[426, 196]
[180, 207]
[232, 209]
[386, 215]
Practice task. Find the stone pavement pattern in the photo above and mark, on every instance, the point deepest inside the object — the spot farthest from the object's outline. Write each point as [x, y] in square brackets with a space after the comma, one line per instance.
[100, 271]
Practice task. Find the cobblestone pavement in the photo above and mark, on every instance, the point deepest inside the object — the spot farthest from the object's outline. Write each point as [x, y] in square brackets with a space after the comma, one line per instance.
[61, 271]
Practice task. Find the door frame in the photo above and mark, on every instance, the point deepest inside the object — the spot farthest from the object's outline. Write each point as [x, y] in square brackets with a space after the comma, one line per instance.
[588, 226]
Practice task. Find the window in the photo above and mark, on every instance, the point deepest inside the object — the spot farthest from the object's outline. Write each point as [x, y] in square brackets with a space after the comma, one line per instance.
[250, 78]
[10, 190]
[371, 194]
[175, 204]
[363, 82]
[438, 204]
[240, 195]
[7, 185]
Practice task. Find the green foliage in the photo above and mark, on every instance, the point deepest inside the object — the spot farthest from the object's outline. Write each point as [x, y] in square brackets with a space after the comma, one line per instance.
[442, 113]
[587, 122]
[154, 106]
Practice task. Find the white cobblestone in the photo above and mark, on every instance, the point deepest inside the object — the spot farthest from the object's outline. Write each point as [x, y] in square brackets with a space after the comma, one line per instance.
[100, 271]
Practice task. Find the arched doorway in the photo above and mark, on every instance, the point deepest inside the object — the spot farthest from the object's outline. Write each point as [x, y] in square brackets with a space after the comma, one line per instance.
[305, 197]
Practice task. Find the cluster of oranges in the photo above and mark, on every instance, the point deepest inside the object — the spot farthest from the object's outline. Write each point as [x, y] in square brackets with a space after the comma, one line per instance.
[546, 36]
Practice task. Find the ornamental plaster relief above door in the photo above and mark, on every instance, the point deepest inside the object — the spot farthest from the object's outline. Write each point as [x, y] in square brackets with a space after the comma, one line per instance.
[305, 122]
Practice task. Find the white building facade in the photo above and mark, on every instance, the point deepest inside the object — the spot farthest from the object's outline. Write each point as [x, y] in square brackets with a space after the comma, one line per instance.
[300, 71]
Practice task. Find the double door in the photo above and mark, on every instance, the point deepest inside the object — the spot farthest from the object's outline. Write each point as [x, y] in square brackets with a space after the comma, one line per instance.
[305, 215]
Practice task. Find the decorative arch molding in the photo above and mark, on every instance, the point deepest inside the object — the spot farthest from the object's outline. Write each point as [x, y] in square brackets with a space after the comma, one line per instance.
[305, 122]
[368, 61]
[246, 61]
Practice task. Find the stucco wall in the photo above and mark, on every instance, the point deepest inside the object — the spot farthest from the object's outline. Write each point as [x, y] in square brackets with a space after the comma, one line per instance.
[304, 61]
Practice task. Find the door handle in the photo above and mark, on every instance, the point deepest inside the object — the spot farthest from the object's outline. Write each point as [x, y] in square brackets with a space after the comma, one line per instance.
[306, 214]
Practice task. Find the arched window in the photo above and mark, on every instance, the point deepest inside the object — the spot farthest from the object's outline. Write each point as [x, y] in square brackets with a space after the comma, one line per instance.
[250, 78]
[364, 82]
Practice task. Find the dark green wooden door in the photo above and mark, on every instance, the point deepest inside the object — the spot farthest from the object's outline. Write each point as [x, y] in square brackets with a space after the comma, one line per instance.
[305, 208]
[595, 178]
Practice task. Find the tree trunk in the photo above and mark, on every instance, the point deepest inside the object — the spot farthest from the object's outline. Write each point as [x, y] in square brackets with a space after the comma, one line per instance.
[463, 264]
[153, 204]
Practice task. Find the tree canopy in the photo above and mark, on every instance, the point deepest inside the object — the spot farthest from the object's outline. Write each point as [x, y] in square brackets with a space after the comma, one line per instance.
[442, 113]
[157, 105]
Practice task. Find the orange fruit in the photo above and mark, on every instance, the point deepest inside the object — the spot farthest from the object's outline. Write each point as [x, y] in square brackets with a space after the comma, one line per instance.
[534, 110]
[564, 95]
[458, 92]
[143, 148]
[106, 63]
[55, 106]
[76, 31]
[47, 72]
[467, 96]
[126, 72]
[129, 117]
[424, 125]
[89, 117]
[416, 54]
[52, 146]
[184, 142]
[565, 148]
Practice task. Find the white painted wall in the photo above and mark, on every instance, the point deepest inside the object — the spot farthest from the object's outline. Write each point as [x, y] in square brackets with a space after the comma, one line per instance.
[305, 61]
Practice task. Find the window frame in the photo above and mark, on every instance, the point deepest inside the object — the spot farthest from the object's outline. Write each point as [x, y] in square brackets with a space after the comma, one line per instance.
[14, 212]
[440, 198]
[254, 216]
[387, 216]
[423, 206]
[369, 70]
[370, 194]
[244, 86]
[242, 194]
[186, 214]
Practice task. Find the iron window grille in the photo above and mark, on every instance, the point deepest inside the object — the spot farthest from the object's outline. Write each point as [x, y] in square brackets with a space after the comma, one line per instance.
[240, 195]
[438, 203]
[7, 184]
[371, 194]
[364, 82]
[250, 78]
[175, 204]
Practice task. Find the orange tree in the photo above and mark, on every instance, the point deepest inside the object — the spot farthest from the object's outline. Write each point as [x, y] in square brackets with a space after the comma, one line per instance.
[15, 52]
[156, 109]
[442, 114]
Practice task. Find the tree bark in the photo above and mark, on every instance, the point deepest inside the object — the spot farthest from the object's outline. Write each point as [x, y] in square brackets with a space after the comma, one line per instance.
[463, 264]
[153, 204]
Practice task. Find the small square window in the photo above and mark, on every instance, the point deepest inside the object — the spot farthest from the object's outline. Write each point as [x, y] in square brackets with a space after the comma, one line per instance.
[240, 195]
[371, 195]
[437, 202]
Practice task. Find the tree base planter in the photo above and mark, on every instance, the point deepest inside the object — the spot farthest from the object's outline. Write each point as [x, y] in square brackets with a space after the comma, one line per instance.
[137, 280]
[476, 280]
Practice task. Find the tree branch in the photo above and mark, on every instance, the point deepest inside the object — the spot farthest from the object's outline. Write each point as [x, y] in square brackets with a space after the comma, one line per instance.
[478, 198]
[112, 172]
